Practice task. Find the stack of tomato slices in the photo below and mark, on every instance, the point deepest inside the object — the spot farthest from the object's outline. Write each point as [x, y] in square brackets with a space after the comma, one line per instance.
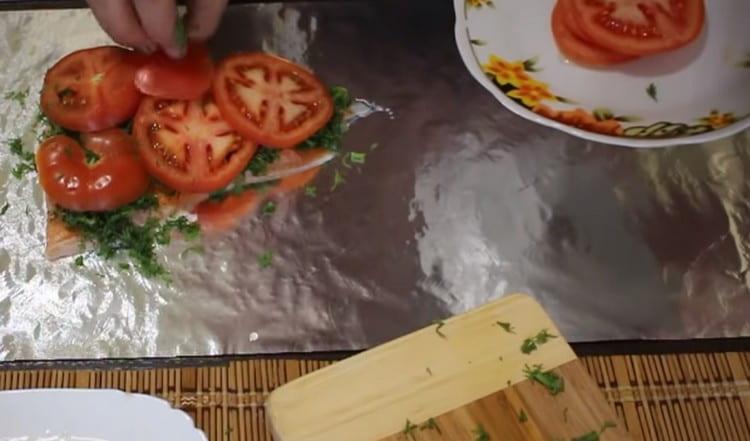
[606, 32]
[195, 126]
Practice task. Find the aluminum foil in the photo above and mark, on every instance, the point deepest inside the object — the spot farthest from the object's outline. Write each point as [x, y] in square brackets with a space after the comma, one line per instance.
[459, 202]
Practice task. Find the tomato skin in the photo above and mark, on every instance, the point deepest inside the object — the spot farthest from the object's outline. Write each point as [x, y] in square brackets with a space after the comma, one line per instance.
[117, 178]
[187, 78]
[226, 214]
[91, 89]
[576, 49]
[188, 146]
[649, 28]
[257, 91]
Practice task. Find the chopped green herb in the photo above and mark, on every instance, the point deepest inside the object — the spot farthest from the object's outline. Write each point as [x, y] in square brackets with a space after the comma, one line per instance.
[114, 232]
[91, 156]
[311, 191]
[480, 434]
[27, 164]
[79, 261]
[651, 91]
[438, 326]
[4, 209]
[18, 96]
[48, 128]
[431, 424]
[265, 260]
[522, 417]
[239, 188]
[594, 435]
[269, 208]
[180, 32]
[264, 157]
[124, 266]
[409, 429]
[550, 380]
[330, 136]
[338, 179]
[358, 157]
[507, 327]
[531, 344]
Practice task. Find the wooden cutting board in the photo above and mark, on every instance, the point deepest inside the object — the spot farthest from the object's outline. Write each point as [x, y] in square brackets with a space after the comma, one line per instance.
[462, 379]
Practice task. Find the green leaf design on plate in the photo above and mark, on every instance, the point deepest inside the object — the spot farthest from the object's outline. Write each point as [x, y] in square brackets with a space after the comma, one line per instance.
[530, 65]
[477, 42]
[603, 114]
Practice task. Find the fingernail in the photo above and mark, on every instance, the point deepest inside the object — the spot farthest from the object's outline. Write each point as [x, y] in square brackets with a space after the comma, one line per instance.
[175, 51]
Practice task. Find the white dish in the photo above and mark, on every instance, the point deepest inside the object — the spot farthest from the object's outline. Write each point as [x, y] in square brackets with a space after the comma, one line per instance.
[702, 90]
[91, 415]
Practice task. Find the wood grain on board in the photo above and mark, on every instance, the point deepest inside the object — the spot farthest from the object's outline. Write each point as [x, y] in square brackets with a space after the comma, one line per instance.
[467, 374]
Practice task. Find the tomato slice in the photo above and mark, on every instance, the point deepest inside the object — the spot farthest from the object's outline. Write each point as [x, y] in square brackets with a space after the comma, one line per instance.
[271, 100]
[640, 27]
[577, 49]
[188, 146]
[226, 214]
[185, 79]
[91, 89]
[118, 177]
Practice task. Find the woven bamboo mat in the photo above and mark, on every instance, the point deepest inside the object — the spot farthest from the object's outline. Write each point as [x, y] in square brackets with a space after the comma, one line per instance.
[690, 397]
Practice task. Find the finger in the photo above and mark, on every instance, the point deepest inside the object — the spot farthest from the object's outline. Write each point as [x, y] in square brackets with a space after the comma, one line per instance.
[119, 20]
[158, 18]
[204, 17]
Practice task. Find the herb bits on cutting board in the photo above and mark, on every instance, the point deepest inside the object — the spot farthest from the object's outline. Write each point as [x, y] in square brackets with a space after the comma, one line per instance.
[500, 372]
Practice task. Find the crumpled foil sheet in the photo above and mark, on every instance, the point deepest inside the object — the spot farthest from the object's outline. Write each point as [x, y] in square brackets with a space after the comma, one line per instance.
[460, 203]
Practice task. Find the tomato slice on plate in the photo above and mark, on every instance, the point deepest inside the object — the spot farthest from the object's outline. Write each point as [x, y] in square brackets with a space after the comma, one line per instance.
[114, 176]
[187, 78]
[271, 100]
[640, 27]
[188, 146]
[91, 89]
[575, 48]
[226, 214]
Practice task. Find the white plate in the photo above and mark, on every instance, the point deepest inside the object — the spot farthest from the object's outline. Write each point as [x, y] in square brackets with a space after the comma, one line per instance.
[91, 415]
[702, 90]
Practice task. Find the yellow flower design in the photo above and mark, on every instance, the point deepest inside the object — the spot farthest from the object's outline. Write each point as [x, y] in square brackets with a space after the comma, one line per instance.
[532, 92]
[717, 120]
[506, 72]
[478, 3]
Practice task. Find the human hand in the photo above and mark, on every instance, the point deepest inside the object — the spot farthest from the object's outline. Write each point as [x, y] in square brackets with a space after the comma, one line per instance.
[148, 25]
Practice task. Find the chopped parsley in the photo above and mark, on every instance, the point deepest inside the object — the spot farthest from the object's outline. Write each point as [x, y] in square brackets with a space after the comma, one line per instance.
[550, 380]
[531, 344]
[330, 136]
[409, 429]
[27, 162]
[522, 417]
[264, 157]
[4, 209]
[651, 91]
[114, 233]
[596, 435]
[265, 260]
[480, 434]
[48, 128]
[431, 424]
[438, 326]
[18, 96]
[79, 261]
[311, 191]
[269, 208]
[507, 327]
[338, 179]
[357, 157]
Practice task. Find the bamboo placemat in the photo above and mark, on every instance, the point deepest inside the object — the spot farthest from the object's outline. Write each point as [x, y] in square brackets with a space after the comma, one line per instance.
[686, 397]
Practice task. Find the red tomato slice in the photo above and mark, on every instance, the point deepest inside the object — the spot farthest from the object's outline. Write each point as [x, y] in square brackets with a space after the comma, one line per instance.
[188, 146]
[271, 100]
[91, 89]
[576, 49]
[226, 214]
[640, 27]
[185, 79]
[117, 178]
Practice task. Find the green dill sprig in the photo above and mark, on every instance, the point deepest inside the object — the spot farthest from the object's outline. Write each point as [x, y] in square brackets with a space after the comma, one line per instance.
[531, 344]
[480, 434]
[331, 135]
[438, 326]
[409, 429]
[431, 424]
[507, 327]
[264, 157]
[596, 435]
[550, 380]
[27, 162]
[265, 260]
